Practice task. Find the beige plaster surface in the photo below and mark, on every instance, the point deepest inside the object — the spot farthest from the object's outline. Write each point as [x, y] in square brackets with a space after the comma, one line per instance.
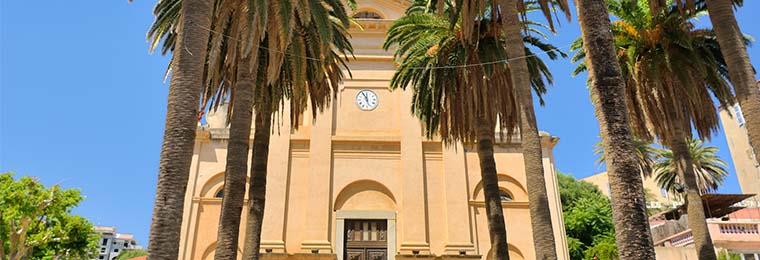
[747, 169]
[351, 160]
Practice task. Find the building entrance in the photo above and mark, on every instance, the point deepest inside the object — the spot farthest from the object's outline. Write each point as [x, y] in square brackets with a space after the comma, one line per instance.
[366, 239]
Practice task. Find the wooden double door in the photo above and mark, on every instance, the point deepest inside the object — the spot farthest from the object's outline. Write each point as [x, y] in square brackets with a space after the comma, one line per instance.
[366, 240]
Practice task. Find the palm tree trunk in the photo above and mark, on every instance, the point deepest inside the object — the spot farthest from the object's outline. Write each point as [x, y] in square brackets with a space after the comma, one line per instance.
[695, 210]
[629, 213]
[257, 190]
[237, 164]
[179, 132]
[494, 212]
[740, 69]
[540, 216]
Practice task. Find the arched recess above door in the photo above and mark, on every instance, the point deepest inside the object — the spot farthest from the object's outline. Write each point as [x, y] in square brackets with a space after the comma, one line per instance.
[365, 195]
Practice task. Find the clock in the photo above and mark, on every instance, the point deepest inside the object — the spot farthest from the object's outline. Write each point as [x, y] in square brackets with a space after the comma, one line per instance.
[366, 100]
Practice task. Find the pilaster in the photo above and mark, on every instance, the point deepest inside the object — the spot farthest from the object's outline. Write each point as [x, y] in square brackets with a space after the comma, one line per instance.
[273, 230]
[414, 224]
[459, 237]
[317, 228]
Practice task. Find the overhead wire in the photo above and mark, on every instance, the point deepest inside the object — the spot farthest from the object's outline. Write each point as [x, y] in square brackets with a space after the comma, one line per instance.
[567, 46]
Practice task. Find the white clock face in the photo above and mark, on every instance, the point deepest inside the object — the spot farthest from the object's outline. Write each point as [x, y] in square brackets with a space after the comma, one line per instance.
[366, 100]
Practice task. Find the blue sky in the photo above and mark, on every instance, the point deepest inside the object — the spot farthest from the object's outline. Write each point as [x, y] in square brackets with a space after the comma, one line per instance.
[82, 103]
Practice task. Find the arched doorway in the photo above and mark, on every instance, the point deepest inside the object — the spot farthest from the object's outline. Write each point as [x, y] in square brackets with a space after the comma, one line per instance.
[365, 220]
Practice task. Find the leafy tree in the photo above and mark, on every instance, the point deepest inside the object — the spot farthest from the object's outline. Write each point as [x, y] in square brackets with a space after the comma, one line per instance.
[725, 255]
[588, 220]
[604, 248]
[36, 221]
[572, 190]
[132, 253]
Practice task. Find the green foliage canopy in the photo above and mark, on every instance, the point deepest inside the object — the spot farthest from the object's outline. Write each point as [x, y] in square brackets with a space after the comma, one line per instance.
[588, 220]
[36, 221]
[129, 254]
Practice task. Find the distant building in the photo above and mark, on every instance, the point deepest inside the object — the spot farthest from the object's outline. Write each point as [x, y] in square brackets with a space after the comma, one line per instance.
[732, 227]
[747, 168]
[111, 244]
[660, 196]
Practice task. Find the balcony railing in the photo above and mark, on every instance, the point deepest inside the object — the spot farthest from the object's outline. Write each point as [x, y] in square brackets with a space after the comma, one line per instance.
[683, 239]
[739, 228]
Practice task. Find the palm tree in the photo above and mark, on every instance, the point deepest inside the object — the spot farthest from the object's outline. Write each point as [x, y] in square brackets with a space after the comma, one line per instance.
[543, 233]
[235, 75]
[458, 99]
[670, 70]
[710, 170]
[742, 75]
[607, 88]
[179, 133]
[303, 81]
[504, 14]
[246, 79]
[645, 155]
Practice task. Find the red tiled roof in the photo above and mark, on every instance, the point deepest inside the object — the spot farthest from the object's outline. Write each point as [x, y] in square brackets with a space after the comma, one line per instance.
[140, 258]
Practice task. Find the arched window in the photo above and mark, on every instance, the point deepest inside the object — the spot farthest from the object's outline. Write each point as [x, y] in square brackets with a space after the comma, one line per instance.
[505, 196]
[367, 15]
[219, 194]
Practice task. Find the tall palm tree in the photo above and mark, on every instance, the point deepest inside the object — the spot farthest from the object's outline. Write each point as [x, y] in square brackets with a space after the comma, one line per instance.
[304, 80]
[233, 74]
[236, 70]
[457, 98]
[645, 155]
[670, 70]
[506, 20]
[543, 233]
[179, 132]
[710, 170]
[742, 75]
[632, 236]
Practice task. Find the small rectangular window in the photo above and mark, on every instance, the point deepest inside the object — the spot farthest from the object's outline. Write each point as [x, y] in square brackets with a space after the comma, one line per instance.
[739, 115]
[105, 241]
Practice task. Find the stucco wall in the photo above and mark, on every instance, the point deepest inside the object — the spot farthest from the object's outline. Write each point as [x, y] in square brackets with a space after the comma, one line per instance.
[354, 160]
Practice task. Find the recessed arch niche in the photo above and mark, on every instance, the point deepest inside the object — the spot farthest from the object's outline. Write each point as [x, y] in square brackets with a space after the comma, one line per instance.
[368, 13]
[208, 254]
[514, 253]
[365, 195]
[506, 184]
[214, 185]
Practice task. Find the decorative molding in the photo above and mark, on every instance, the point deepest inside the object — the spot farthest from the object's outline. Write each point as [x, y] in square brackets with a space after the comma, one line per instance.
[366, 150]
[308, 245]
[504, 204]
[365, 214]
[372, 25]
[277, 246]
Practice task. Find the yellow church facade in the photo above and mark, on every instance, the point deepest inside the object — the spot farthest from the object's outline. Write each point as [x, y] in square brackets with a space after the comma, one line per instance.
[361, 182]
